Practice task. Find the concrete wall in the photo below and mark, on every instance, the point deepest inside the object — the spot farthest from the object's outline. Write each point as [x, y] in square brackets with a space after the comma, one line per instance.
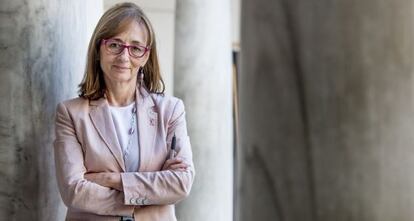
[327, 109]
[42, 57]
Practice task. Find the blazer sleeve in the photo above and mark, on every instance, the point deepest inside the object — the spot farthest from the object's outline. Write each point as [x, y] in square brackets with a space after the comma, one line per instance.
[168, 186]
[77, 192]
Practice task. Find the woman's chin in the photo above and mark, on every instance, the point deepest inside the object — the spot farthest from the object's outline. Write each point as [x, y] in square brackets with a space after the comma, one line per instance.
[121, 78]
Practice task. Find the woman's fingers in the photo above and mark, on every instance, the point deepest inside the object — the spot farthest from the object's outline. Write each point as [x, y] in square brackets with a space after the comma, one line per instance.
[91, 176]
[174, 163]
[171, 161]
[177, 166]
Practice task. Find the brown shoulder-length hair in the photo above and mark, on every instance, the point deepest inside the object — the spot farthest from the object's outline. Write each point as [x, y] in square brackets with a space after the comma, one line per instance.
[112, 23]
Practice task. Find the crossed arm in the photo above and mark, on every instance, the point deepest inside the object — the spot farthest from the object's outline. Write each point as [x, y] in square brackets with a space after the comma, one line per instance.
[113, 180]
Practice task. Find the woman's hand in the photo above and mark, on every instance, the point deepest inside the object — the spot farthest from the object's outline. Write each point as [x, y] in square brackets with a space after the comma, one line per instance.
[175, 164]
[106, 179]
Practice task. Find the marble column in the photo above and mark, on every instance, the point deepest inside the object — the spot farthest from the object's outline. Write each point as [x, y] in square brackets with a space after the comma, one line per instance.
[326, 102]
[203, 80]
[42, 56]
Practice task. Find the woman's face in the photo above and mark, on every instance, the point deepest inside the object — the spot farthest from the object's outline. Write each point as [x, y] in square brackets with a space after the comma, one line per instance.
[122, 68]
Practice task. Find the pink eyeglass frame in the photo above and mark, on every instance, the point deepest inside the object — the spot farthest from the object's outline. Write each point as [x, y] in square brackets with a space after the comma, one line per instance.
[127, 47]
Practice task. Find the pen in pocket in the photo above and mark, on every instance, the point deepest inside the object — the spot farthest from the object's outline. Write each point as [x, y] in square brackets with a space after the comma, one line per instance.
[172, 151]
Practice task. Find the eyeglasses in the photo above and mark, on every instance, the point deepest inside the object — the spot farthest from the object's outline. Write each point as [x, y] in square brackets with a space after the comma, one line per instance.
[115, 47]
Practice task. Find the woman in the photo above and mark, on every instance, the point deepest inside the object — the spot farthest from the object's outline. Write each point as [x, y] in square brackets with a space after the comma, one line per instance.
[113, 143]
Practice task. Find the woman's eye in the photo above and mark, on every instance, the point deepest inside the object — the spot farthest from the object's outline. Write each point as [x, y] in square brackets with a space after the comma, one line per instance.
[114, 45]
[137, 49]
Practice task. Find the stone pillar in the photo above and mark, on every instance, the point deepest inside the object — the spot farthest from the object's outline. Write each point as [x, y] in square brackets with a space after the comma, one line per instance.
[42, 59]
[326, 108]
[203, 80]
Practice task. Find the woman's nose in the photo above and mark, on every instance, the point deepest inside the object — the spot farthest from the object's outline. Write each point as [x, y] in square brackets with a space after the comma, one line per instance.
[124, 55]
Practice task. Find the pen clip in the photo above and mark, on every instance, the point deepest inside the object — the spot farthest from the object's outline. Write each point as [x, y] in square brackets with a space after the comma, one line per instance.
[172, 151]
[173, 142]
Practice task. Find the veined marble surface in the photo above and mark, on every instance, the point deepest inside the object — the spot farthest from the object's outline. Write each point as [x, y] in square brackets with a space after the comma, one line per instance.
[326, 111]
[42, 57]
[203, 79]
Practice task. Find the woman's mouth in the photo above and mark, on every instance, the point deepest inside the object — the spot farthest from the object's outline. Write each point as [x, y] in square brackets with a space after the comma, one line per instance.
[121, 68]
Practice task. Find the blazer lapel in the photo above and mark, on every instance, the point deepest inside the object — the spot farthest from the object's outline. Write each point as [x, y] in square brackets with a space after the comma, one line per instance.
[147, 127]
[102, 120]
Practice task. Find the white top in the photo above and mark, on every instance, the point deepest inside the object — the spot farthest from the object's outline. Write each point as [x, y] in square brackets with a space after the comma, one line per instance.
[122, 118]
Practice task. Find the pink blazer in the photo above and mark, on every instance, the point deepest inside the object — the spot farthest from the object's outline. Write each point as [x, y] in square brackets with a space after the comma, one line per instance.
[86, 142]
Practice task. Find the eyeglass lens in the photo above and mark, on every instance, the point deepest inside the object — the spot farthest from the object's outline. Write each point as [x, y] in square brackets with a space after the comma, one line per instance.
[116, 47]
